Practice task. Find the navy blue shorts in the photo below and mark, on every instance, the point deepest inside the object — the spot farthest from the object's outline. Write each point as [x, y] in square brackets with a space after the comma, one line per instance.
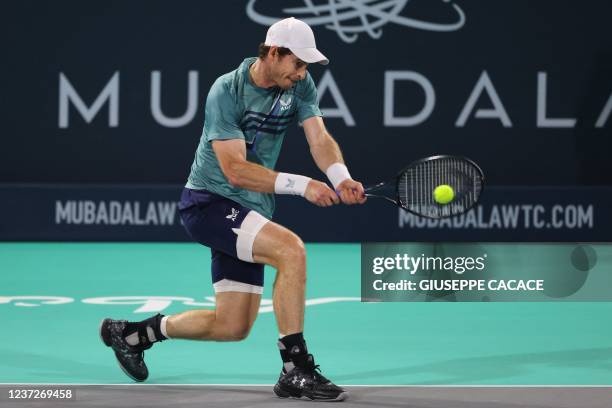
[229, 230]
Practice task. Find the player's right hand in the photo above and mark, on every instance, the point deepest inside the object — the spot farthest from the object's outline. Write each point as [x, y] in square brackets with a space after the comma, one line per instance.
[320, 194]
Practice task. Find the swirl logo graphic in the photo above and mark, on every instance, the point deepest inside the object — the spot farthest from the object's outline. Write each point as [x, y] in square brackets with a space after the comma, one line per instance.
[349, 18]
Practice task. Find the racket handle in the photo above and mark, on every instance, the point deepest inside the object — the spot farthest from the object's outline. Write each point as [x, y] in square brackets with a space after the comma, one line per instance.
[364, 194]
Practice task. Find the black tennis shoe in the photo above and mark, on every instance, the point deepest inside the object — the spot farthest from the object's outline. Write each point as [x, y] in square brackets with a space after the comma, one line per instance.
[130, 358]
[309, 384]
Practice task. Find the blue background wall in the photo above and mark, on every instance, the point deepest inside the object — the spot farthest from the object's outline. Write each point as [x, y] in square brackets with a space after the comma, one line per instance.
[541, 69]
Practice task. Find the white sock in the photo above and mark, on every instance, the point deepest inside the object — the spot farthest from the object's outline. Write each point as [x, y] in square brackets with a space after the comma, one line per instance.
[162, 327]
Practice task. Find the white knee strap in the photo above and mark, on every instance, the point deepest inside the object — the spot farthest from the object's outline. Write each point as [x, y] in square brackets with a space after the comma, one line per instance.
[250, 227]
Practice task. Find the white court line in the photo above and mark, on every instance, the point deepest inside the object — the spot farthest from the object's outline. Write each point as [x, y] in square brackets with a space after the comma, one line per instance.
[344, 385]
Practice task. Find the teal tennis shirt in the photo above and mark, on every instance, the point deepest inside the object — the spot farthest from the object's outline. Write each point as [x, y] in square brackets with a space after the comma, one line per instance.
[236, 109]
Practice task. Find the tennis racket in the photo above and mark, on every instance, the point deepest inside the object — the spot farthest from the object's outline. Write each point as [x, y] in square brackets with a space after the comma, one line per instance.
[413, 188]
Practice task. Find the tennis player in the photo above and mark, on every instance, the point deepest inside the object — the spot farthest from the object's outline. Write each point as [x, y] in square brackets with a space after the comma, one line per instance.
[228, 202]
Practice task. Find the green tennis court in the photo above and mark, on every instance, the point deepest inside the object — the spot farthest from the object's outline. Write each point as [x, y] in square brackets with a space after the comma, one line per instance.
[53, 296]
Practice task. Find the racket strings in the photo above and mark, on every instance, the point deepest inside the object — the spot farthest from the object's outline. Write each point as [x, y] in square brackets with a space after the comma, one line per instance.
[416, 186]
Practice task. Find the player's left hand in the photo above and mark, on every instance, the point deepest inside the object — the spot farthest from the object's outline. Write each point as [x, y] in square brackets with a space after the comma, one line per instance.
[351, 192]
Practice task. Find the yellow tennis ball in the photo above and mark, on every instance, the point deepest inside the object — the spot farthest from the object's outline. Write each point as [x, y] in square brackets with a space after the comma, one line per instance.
[443, 194]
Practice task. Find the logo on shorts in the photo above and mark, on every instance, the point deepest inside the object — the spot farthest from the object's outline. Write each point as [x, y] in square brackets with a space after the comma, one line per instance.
[233, 215]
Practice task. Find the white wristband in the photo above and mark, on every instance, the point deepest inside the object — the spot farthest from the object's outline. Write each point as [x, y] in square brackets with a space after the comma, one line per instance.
[337, 173]
[294, 184]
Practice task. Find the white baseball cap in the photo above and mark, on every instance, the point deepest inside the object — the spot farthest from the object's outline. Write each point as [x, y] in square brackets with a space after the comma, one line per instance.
[298, 37]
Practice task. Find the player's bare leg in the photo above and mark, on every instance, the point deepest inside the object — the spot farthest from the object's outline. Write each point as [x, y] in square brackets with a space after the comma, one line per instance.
[232, 319]
[277, 246]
